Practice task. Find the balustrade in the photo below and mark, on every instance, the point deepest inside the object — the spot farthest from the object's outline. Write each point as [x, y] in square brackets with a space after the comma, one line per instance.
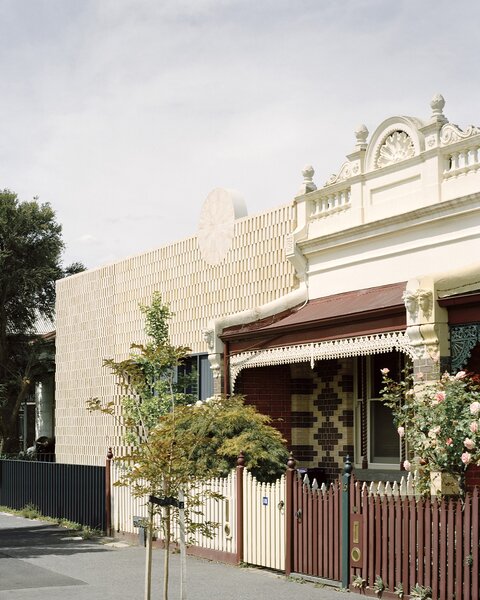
[328, 204]
[462, 161]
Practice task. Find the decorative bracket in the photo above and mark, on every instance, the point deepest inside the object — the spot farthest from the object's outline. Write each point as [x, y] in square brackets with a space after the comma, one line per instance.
[463, 339]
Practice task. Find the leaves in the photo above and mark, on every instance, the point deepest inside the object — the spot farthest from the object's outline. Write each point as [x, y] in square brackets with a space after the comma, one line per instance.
[441, 431]
[30, 262]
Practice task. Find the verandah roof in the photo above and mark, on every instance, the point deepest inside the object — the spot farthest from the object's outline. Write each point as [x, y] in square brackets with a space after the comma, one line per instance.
[356, 313]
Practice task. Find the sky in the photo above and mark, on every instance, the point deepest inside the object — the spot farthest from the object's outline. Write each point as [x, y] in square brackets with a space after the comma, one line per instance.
[125, 114]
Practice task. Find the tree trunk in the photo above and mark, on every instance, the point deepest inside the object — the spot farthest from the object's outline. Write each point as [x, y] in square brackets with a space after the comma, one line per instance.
[148, 557]
[166, 560]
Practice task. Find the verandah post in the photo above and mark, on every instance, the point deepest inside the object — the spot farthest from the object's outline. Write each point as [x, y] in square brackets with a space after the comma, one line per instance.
[290, 480]
[108, 493]
[347, 470]
[239, 498]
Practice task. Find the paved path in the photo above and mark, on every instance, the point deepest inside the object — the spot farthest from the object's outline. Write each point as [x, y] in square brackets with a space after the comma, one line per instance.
[42, 561]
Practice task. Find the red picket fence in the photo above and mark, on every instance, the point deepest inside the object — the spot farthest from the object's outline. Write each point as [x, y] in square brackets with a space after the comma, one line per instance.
[314, 525]
[410, 541]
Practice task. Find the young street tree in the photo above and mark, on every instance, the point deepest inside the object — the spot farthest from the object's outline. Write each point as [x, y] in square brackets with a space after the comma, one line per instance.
[30, 262]
[177, 442]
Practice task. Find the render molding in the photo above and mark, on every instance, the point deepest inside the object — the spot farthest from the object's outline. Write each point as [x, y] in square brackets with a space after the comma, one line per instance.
[420, 217]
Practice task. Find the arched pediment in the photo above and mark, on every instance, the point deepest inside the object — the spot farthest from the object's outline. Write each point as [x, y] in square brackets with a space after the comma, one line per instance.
[394, 140]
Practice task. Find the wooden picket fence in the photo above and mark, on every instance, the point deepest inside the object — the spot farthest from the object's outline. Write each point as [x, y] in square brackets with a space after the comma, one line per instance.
[220, 509]
[390, 538]
[404, 541]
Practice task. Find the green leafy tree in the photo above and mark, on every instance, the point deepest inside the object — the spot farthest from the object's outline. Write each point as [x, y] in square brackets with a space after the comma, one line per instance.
[175, 443]
[30, 262]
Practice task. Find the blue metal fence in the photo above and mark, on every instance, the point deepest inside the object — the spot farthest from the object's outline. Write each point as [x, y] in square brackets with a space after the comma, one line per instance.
[73, 492]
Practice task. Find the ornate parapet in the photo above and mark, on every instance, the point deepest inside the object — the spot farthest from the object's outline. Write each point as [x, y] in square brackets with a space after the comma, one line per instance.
[461, 150]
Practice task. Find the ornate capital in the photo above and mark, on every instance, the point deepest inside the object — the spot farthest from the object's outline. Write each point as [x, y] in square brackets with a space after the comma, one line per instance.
[215, 365]
[419, 305]
[208, 336]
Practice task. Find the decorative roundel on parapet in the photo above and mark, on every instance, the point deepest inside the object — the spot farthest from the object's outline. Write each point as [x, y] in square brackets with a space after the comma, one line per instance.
[217, 222]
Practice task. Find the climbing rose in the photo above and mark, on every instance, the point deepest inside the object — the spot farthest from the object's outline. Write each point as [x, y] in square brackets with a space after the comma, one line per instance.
[468, 443]
[449, 442]
[439, 397]
[460, 375]
[474, 426]
[407, 465]
[401, 431]
[475, 408]
[466, 458]
[385, 371]
[420, 375]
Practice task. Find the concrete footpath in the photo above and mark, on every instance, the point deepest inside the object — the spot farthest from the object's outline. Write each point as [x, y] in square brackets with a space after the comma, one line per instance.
[40, 560]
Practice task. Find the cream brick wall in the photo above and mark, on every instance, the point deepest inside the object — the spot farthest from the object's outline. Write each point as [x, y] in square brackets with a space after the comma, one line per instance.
[98, 317]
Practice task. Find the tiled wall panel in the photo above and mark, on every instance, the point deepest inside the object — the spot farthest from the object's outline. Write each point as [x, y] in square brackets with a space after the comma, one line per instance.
[98, 317]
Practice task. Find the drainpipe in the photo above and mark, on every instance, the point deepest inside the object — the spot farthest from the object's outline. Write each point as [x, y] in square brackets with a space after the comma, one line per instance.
[216, 326]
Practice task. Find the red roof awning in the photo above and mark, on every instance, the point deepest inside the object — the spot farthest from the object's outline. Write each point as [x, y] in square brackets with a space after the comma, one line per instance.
[360, 312]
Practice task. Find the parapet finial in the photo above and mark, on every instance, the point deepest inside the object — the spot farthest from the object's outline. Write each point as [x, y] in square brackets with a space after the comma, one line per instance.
[307, 185]
[437, 103]
[361, 133]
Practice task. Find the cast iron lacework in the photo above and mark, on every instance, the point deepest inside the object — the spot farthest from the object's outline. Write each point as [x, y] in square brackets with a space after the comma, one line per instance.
[463, 339]
[358, 346]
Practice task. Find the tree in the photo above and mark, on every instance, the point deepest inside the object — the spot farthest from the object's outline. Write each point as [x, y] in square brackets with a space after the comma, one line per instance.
[175, 444]
[30, 262]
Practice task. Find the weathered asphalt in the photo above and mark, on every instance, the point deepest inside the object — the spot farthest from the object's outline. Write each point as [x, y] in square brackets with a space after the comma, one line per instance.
[41, 561]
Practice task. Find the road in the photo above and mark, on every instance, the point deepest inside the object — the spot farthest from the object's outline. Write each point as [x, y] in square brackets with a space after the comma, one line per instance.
[42, 561]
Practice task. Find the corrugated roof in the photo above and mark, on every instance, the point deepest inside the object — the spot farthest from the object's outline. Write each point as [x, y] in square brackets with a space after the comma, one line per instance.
[357, 304]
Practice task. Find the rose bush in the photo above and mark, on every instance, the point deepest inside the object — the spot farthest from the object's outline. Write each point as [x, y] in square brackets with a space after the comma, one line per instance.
[439, 421]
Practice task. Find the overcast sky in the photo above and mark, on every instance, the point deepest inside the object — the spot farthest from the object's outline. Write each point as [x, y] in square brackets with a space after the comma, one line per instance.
[124, 114]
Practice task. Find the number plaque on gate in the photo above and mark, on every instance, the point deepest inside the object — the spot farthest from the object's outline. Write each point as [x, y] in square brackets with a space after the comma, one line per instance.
[356, 539]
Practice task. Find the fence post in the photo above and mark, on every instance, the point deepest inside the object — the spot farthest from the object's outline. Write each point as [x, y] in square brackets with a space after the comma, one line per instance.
[239, 499]
[290, 480]
[108, 493]
[347, 470]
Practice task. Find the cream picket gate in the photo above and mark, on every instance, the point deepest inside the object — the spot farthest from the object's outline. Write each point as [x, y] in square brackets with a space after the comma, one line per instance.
[264, 522]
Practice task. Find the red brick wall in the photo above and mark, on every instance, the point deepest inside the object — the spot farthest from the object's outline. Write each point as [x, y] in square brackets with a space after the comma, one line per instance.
[268, 388]
[472, 477]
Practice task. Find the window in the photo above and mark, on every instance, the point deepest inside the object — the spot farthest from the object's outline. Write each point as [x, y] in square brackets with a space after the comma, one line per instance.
[377, 443]
[201, 384]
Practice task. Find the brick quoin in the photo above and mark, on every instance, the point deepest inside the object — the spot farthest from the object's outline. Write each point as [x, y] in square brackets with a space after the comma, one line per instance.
[268, 389]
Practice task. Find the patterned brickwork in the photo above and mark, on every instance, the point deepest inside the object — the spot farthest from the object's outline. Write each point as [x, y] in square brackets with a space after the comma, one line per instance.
[98, 317]
[334, 406]
[322, 414]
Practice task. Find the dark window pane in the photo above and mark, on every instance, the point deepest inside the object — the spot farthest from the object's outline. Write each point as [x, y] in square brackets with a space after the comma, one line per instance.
[206, 377]
[384, 442]
[394, 361]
